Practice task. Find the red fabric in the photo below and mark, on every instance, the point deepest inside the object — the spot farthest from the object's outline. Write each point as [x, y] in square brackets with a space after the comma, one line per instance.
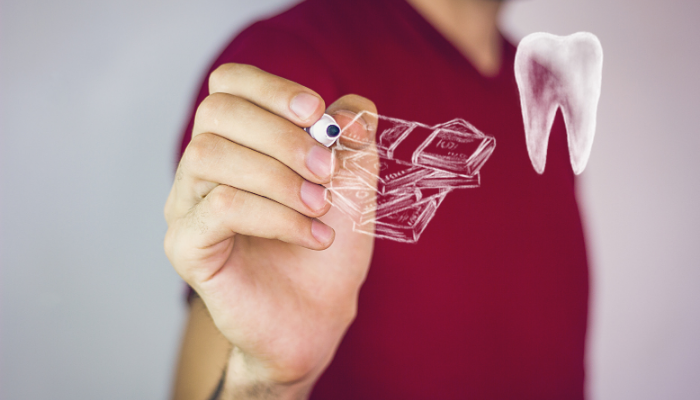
[491, 303]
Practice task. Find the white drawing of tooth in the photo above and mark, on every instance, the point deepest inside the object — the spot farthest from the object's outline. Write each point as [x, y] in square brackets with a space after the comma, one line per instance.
[559, 71]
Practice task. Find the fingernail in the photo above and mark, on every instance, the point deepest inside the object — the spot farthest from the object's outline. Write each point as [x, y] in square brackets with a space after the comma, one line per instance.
[319, 161]
[304, 105]
[313, 195]
[321, 232]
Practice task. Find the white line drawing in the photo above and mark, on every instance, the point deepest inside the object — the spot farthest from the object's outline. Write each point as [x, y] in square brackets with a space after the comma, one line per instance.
[559, 71]
[393, 190]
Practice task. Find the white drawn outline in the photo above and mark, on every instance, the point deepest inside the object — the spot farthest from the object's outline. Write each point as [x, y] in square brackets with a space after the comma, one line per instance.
[394, 195]
[559, 72]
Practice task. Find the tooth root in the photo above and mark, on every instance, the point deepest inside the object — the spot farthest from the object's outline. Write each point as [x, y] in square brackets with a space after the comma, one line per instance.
[539, 101]
[580, 127]
[552, 72]
[580, 112]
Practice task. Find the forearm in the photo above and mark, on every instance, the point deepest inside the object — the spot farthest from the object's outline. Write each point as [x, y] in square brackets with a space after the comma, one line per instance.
[203, 356]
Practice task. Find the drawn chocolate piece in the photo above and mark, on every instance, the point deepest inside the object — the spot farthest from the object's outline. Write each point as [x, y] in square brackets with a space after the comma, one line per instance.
[457, 147]
[403, 148]
[391, 132]
[395, 203]
[395, 195]
[364, 204]
[354, 201]
[356, 165]
[405, 226]
[441, 179]
[345, 179]
[393, 176]
[390, 203]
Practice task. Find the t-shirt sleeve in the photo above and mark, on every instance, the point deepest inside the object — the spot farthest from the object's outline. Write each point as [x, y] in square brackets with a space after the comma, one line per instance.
[277, 51]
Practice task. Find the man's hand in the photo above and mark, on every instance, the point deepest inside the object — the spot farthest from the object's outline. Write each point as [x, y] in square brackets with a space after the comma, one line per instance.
[247, 216]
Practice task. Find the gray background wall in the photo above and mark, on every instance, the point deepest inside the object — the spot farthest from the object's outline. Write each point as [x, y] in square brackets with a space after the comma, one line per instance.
[93, 94]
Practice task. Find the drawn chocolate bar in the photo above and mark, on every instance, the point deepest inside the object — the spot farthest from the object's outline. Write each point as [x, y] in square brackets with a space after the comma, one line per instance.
[455, 146]
[441, 179]
[395, 176]
[405, 226]
[365, 204]
[393, 203]
[354, 201]
[397, 194]
[362, 204]
[345, 179]
[391, 132]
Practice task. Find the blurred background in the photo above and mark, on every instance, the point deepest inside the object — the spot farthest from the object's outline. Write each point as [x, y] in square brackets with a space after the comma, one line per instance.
[93, 96]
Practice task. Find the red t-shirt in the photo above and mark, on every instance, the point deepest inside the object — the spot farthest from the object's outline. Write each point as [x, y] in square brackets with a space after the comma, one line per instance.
[491, 302]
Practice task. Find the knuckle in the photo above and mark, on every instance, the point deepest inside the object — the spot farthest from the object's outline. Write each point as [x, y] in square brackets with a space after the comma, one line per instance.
[216, 109]
[168, 210]
[200, 148]
[297, 364]
[209, 107]
[222, 199]
[217, 77]
[168, 243]
[173, 249]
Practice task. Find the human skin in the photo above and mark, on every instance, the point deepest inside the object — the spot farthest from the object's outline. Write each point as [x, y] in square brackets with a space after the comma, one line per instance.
[470, 25]
[274, 300]
[244, 229]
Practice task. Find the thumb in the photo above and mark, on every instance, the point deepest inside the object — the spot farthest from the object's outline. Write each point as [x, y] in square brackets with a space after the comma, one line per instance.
[357, 118]
[353, 187]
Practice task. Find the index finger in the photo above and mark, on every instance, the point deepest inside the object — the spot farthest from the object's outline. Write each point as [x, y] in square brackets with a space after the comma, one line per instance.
[289, 100]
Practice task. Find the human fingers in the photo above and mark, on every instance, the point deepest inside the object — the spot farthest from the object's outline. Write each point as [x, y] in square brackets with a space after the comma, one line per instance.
[357, 118]
[289, 100]
[227, 212]
[212, 158]
[241, 121]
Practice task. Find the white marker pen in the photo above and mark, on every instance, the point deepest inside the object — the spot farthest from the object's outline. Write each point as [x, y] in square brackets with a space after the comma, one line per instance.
[326, 131]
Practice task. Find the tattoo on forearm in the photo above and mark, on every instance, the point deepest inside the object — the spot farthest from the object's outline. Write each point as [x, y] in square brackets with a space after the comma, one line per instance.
[219, 388]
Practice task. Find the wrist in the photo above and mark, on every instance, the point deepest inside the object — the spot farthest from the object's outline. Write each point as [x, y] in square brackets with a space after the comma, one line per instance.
[244, 380]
